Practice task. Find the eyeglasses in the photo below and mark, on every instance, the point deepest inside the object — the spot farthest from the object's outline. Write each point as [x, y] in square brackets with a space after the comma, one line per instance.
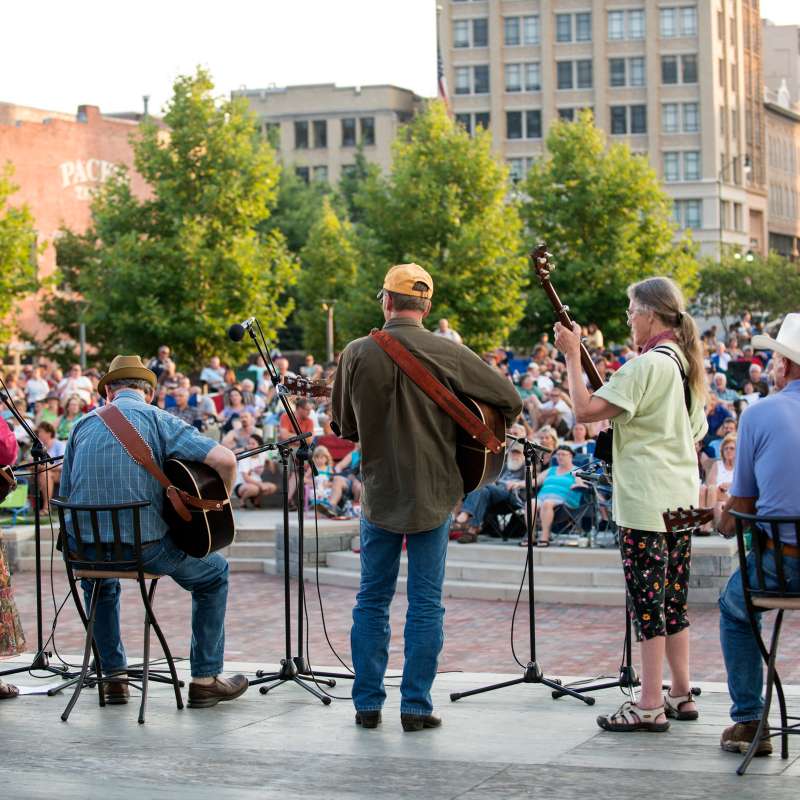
[630, 313]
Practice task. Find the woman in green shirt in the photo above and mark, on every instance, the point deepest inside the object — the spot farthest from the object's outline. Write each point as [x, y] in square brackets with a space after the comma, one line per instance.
[655, 469]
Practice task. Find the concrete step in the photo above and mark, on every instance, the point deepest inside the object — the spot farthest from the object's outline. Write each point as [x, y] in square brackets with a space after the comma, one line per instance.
[28, 564]
[511, 553]
[240, 564]
[250, 550]
[255, 534]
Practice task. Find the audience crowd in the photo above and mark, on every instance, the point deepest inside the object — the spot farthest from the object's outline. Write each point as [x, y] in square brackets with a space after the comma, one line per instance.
[240, 408]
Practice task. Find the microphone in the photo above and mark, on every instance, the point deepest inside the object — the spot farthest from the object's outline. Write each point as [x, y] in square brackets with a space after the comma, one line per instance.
[523, 441]
[236, 331]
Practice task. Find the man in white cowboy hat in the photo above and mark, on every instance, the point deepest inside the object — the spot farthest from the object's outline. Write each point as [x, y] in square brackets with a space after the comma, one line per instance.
[97, 470]
[764, 481]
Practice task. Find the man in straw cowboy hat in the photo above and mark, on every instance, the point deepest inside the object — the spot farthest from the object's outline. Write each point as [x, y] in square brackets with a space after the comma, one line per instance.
[98, 470]
[764, 480]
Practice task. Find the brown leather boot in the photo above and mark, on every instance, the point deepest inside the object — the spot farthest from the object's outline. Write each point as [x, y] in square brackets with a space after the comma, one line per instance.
[416, 722]
[202, 696]
[737, 739]
[116, 693]
[368, 719]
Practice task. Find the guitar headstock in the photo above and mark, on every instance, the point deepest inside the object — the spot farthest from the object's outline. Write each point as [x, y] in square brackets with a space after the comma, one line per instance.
[686, 519]
[540, 259]
[302, 387]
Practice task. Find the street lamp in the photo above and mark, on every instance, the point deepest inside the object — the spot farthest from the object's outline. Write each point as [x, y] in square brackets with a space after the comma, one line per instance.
[327, 305]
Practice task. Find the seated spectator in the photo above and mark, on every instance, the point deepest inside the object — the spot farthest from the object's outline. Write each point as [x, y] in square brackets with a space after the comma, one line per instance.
[213, 375]
[73, 411]
[250, 485]
[282, 365]
[556, 410]
[507, 490]
[744, 328]
[311, 371]
[51, 475]
[711, 448]
[159, 362]
[304, 412]
[594, 337]
[319, 487]
[76, 383]
[48, 411]
[189, 414]
[716, 413]
[721, 358]
[558, 486]
[579, 442]
[161, 398]
[749, 356]
[443, 329]
[543, 383]
[733, 345]
[349, 468]
[36, 387]
[760, 384]
[720, 389]
[169, 377]
[242, 428]
[336, 445]
[16, 393]
[231, 380]
[749, 394]
[714, 490]
[233, 408]
[547, 437]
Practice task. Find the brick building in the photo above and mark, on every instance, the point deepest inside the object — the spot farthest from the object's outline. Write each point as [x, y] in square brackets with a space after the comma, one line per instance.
[58, 160]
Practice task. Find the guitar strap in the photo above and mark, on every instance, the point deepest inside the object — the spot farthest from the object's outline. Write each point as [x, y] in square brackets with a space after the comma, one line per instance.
[434, 388]
[139, 450]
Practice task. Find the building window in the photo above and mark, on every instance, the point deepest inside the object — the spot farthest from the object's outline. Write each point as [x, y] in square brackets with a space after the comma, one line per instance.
[367, 131]
[567, 114]
[688, 213]
[636, 73]
[619, 124]
[668, 22]
[583, 27]
[348, 170]
[513, 124]
[672, 167]
[272, 132]
[481, 79]
[533, 80]
[564, 73]
[616, 24]
[482, 120]
[320, 133]
[480, 32]
[734, 78]
[302, 173]
[465, 120]
[511, 31]
[737, 216]
[669, 69]
[463, 84]
[471, 122]
[689, 68]
[349, 132]
[516, 169]
[636, 24]
[530, 29]
[669, 118]
[691, 117]
[691, 165]
[638, 119]
[461, 33]
[689, 21]
[616, 71]
[584, 73]
[533, 124]
[513, 78]
[721, 70]
[320, 174]
[722, 120]
[300, 135]
[563, 27]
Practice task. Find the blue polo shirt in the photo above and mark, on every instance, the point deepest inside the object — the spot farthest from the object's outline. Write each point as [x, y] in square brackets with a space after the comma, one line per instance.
[767, 451]
[98, 470]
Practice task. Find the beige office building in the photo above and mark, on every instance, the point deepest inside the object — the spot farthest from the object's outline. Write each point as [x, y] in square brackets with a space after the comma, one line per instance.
[783, 176]
[782, 62]
[679, 81]
[318, 128]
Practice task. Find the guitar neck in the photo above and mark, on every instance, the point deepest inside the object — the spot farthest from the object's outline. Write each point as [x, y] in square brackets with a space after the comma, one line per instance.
[563, 317]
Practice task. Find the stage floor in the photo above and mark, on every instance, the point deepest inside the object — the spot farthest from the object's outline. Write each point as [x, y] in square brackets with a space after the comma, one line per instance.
[511, 743]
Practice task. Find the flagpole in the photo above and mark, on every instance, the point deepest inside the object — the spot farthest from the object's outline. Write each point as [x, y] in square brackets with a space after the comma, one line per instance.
[441, 80]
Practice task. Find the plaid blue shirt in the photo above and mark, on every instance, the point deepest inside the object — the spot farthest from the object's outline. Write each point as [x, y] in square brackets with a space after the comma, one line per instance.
[98, 470]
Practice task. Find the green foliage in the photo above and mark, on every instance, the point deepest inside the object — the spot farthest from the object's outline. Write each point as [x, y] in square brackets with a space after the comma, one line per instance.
[605, 218]
[17, 251]
[181, 265]
[298, 206]
[351, 184]
[444, 206]
[329, 268]
[733, 284]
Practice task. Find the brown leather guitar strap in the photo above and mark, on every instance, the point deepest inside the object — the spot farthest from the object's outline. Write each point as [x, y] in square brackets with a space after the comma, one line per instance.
[439, 393]
[138, 449]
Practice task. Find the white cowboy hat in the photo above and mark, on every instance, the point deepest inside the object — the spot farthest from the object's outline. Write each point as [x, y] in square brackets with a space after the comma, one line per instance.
[787, 342]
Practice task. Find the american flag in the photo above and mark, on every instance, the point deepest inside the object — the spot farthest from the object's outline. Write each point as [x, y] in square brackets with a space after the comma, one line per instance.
[441, 80]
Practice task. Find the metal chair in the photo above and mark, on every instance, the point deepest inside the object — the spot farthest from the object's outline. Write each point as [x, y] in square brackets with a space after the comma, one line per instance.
[762, 596]
[80, 566]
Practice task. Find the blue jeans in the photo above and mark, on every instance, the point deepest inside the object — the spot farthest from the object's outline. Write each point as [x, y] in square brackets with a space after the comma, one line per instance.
[424, 634]
[477, 503]
[207, 580]
[743, 659]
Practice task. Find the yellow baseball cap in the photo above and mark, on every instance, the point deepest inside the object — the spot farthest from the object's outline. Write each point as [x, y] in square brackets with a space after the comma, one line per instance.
[402, 277]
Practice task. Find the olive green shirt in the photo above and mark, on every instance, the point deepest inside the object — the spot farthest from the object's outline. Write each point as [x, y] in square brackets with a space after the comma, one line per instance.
[408, 444]
[655, 460]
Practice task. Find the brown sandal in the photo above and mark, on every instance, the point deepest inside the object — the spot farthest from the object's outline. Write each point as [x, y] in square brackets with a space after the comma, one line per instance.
[470, 535]
[8, 691]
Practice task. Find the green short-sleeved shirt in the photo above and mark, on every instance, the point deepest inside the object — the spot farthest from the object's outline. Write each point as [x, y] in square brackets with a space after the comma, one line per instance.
[655, 461]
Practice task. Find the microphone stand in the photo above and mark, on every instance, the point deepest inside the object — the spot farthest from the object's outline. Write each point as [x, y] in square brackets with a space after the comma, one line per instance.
[294, 668]
[533, 671]
[39, 455]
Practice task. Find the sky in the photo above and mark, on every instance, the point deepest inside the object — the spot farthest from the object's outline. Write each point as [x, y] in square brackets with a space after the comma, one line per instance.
[57, 55]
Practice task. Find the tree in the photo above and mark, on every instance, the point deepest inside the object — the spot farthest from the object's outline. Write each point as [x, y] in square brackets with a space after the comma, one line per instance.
[329, 268]
[605, 218]
[17, 251]
[445, 206]
[184, 263]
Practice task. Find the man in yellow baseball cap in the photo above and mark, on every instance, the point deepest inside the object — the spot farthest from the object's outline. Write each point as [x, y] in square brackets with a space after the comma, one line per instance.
[408, 279]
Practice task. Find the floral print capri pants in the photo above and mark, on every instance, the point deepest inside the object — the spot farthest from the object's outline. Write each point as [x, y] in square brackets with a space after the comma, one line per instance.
[656, 567]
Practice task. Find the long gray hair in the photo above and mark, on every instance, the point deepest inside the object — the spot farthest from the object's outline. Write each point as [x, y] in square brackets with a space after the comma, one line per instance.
[663, 297]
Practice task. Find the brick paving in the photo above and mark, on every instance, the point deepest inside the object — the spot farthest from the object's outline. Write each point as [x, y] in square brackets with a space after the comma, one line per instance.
[571, 640]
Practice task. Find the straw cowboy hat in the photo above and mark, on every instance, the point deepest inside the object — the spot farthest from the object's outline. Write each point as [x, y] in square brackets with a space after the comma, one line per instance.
[787, 342]
[126, 367]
